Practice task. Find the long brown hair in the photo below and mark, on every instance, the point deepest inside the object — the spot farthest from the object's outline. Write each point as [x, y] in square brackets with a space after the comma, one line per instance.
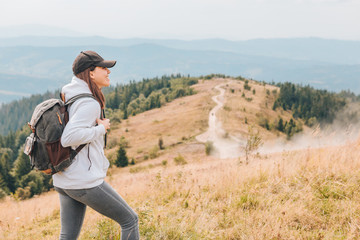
[95, 90]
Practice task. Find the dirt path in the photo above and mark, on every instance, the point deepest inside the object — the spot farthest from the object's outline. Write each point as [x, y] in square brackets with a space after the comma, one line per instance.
[225, 145]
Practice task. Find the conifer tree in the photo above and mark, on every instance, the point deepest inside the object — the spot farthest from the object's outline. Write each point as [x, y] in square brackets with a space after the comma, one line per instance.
[121, 160]
[161, 143]
[3, 184]
[280, 125]
[21, 165]
[116, 100]
[5, 169]
[124, 109]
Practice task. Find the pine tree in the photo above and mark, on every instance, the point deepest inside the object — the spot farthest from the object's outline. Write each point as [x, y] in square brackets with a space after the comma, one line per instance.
[161, 143]
[280, 125]
[3, 184]
[121, 160]
[21, 165]
[157, 101]
[124, 109]
[34, 180]
[116, 100]
[5, 169]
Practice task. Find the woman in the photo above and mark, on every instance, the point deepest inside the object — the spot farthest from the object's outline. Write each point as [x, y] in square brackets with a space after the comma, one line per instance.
[82, 183]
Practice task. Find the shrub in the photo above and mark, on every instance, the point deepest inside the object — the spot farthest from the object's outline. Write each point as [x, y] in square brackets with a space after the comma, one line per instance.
[292, 127]
[180, 160]
[240, 78]
[35, 181]
[246, 85]
[23, 193]
[137, 169]
[123, 142]
[311, 121]
[154, 152]
[112, 143]
[227, 108]
[2, 194]
[111, 157]
[209, 147]
[264, 122]
[253, 142]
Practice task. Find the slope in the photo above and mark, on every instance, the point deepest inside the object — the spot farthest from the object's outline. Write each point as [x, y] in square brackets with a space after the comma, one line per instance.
[284, 195]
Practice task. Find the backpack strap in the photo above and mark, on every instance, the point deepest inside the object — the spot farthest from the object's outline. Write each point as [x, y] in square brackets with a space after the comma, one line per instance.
[78, 149]
[73, 99]
[105, 137]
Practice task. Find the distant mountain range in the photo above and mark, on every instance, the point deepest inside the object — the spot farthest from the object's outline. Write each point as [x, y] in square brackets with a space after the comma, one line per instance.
[37, 30]
[34, 64]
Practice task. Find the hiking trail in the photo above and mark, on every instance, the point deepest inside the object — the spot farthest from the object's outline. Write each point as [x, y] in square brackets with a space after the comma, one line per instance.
[225, 145]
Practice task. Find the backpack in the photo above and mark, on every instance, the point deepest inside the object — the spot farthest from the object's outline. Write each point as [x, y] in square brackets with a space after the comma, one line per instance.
[43, 146]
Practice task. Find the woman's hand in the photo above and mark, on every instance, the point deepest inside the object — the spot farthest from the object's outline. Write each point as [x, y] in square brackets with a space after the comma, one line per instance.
[105, 122]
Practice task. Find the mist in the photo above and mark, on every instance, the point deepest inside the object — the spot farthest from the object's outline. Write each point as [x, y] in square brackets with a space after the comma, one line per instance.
[344, 129]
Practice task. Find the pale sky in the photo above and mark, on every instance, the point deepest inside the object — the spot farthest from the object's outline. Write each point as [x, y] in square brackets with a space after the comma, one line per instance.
[191, 19]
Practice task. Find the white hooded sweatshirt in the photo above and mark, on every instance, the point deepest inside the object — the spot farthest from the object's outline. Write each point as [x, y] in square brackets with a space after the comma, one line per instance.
[90, 164]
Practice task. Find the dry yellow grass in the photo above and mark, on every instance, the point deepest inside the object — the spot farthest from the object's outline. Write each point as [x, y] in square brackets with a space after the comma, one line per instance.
[305, 194]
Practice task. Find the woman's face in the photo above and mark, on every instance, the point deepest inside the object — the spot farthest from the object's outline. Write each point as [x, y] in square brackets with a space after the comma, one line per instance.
[100, 76]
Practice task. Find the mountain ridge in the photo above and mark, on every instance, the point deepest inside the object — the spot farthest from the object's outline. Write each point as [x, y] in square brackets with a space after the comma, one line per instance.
[332, 50]
[323, 63]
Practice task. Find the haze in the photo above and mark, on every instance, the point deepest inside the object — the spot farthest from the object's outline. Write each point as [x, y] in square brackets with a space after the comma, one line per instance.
[185, 19]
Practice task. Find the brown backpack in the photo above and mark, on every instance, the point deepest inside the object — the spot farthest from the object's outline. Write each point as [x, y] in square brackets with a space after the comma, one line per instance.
[43, 145]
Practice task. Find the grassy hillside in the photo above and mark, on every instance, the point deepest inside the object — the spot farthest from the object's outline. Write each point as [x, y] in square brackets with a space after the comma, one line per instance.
[182, 193]
[250, 107]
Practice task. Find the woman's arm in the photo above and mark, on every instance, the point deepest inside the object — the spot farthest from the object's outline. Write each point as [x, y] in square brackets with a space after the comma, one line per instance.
[81, 127]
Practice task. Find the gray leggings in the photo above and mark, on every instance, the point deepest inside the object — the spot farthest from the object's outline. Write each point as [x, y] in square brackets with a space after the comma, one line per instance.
[103, 199]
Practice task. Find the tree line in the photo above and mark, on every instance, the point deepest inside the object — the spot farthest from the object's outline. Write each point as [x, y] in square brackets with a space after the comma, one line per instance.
[136, 97]
[16, 113]
[312, 105]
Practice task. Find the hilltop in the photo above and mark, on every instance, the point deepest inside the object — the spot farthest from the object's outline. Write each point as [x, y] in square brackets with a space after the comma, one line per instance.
[179, 122]
[181, 192]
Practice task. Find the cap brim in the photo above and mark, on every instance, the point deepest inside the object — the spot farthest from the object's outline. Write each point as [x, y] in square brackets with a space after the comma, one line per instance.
[107, 64]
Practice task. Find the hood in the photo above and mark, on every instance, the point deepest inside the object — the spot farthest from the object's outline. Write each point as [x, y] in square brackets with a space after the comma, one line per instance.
[75, 87]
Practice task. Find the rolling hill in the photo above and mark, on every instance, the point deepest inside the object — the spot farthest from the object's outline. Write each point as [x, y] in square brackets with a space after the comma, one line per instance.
[181, 192]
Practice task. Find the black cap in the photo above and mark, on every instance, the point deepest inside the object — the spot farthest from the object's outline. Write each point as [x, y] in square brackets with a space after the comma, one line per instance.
[87, 59]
